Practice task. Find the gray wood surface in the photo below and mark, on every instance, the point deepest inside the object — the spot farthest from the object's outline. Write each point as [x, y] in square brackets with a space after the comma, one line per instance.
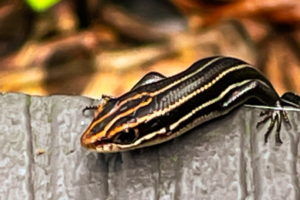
[41, 158]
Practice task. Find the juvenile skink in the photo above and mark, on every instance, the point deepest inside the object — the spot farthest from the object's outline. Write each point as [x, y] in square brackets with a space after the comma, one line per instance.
[160, 108]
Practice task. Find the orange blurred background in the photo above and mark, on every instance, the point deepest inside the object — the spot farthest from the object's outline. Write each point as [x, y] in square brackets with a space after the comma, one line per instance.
[96, 47]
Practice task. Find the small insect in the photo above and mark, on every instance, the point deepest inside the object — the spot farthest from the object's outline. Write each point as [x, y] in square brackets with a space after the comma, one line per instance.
[160, 108]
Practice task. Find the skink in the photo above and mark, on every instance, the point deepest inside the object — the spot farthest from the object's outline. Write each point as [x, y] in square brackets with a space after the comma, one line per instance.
[160, 108]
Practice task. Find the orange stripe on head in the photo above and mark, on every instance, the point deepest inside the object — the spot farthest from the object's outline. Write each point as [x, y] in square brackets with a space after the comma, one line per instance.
[87, 138]
[118, 106]
[119, 116]
[129, 125]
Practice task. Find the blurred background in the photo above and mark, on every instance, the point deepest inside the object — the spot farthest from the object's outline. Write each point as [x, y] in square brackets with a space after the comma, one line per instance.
[96, 47]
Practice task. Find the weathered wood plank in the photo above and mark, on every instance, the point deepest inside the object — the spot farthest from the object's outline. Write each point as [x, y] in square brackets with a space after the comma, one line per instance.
[41, 158]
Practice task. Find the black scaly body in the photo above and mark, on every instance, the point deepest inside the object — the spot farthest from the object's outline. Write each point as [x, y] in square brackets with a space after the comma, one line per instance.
[160, 108]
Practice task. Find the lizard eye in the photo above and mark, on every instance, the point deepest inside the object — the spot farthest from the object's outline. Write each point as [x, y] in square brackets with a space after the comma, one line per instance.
[126, 137]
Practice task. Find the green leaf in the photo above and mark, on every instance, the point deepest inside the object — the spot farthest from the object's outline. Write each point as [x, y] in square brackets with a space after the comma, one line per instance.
[41, 5]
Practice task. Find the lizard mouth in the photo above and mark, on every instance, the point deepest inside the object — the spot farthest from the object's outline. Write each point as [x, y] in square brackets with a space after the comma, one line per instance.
[111, 145]
[94, 145]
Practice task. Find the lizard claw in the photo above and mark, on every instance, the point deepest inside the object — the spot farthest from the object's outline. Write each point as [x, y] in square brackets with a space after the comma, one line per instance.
[276, 117]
